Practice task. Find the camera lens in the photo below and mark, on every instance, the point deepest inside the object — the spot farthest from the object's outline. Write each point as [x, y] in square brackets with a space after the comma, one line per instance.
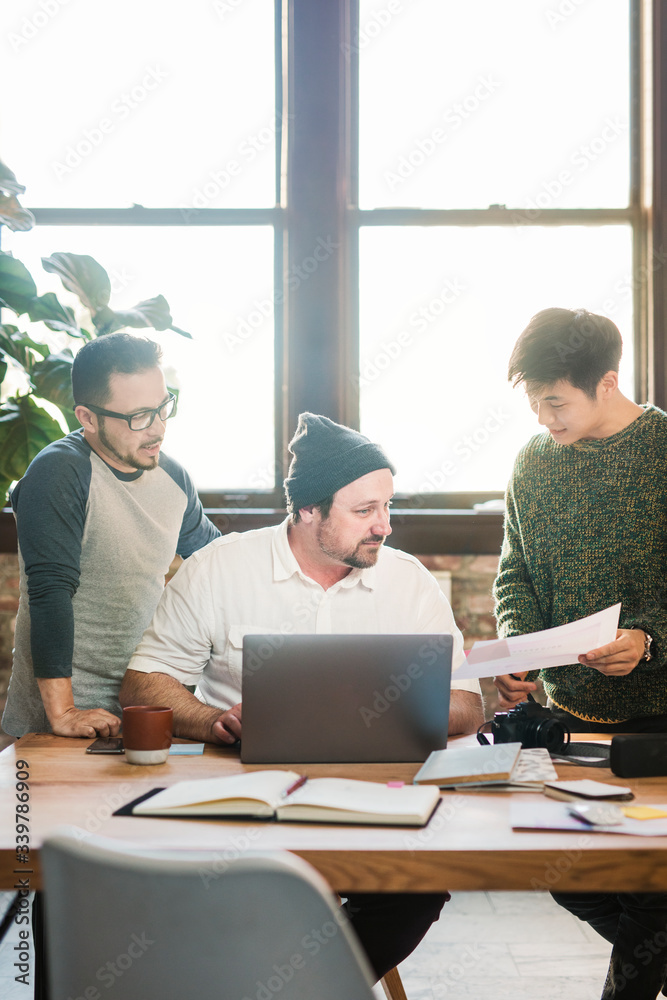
[552, 734]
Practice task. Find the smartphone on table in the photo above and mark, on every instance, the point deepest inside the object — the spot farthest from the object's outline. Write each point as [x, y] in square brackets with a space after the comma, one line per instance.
[107, 744]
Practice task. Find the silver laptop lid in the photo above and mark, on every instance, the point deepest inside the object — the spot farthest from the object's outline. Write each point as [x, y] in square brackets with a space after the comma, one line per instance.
[344, 698]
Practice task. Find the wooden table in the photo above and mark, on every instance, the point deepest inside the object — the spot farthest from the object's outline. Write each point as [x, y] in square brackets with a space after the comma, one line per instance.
[468, 845]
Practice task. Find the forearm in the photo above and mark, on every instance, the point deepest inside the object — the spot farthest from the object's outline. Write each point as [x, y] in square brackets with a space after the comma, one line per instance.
[192, 719]
[466, 712]
[65, 718]
[57, 696]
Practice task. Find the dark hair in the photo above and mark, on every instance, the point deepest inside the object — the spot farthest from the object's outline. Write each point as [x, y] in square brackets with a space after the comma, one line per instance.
[110, 354]
[324, 507]
[577, 346]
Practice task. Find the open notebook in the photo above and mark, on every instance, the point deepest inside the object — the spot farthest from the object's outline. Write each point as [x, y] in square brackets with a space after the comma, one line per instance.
[285, 795]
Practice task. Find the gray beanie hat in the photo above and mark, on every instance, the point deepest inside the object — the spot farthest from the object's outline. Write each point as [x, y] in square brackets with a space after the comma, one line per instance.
[325, 457]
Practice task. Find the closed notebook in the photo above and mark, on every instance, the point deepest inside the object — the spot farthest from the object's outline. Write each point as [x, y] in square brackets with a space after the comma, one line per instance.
[283, 795]
[585, 788]
[497, 765]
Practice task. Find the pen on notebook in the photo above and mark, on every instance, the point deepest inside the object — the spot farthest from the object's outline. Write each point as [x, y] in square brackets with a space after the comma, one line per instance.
[295, 784]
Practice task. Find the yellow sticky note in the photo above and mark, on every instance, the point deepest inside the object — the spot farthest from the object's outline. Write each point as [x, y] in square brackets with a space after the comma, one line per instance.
[643, 812]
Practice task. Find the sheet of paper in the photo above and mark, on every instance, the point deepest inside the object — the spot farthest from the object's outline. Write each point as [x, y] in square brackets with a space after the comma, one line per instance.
[553, 647]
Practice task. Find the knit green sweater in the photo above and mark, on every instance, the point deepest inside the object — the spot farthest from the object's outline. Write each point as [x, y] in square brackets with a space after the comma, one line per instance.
[585, 528]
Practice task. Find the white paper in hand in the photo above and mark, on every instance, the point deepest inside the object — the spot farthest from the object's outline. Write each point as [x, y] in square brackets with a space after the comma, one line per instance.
[553, 647]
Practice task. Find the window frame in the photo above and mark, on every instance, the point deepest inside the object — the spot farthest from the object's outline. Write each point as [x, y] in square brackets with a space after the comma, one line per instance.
[317, 322]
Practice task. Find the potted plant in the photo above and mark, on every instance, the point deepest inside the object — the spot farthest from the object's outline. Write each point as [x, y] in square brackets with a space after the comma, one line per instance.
[25, 425]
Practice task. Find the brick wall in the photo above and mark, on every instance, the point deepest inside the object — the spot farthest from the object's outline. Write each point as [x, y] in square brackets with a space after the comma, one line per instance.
[472, 604]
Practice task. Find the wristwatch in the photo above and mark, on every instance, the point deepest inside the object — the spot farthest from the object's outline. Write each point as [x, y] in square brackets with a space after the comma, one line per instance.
[648, 640]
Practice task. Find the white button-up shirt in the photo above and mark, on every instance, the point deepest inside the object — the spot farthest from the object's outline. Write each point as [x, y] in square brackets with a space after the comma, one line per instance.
[251, 582]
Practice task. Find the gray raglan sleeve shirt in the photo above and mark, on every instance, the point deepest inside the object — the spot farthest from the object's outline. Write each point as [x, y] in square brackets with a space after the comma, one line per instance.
[52, 504]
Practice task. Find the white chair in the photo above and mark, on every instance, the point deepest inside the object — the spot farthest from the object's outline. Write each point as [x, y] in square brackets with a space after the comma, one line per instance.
[129, 926]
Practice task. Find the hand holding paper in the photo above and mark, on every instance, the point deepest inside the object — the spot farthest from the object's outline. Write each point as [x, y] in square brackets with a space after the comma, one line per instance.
[619, 657]
[553, 647]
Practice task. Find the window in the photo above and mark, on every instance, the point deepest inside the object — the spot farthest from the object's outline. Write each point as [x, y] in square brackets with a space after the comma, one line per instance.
[355, 206]
[147, 136]
[494, 180]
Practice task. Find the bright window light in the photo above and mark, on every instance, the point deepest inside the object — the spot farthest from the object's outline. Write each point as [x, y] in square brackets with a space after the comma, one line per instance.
[466, 105]
[440, 312]
[219, 285]
[158, 103]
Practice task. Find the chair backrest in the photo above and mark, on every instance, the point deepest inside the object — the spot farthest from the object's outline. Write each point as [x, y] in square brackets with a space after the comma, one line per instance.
[126, 926]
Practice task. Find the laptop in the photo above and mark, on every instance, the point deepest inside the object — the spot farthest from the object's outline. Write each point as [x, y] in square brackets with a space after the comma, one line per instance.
[344, 698]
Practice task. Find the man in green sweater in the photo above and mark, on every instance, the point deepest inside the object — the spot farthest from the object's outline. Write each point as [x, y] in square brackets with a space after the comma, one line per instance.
[585, 528]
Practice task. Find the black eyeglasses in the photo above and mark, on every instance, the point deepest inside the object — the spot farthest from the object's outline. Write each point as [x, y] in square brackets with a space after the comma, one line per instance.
[142, 420]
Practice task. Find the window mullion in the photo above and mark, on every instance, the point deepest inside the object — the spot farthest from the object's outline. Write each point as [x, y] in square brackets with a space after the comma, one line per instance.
[316, 344]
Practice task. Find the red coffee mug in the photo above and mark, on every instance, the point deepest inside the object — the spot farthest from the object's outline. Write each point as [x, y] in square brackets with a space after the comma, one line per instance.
[147, 733]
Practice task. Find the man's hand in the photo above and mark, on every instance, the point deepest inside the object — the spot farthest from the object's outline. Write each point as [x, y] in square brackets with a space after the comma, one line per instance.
[227, 728]
[620, 657]
[512, 690]
[68, 720]
[85, 723]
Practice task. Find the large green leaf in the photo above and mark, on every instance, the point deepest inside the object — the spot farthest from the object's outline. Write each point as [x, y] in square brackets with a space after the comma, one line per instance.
[20, 346]
[148, 313]
[105, 320]
[56, 316]
[14, 215]
[17, 289]
[52, 380]
[82, 275]
[25, 428]
[8, 180]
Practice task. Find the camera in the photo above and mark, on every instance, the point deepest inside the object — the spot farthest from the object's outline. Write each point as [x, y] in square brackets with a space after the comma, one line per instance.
[531, 725]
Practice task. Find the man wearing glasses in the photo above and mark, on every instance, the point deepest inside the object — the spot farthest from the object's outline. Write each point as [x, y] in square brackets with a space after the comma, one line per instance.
[100, 514]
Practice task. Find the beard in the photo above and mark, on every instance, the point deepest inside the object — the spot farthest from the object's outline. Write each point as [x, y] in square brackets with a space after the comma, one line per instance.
[358, 558]
[133, 460]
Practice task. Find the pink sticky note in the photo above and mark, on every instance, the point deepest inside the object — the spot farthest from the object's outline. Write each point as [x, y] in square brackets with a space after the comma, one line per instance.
[395, 784]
